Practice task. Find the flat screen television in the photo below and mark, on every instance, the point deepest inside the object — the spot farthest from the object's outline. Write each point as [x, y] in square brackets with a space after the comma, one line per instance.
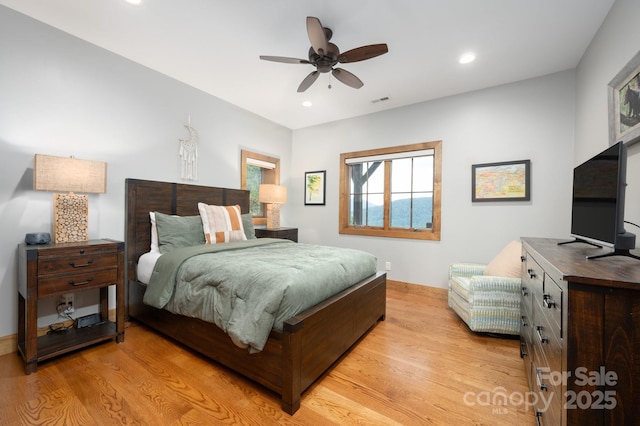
[597, 213]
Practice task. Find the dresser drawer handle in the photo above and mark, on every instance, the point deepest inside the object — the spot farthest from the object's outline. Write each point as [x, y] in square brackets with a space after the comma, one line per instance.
[523, 351]
[81, 265]
[541, 385]
[523, 320]
[540, 336]
[76, 284]
[524, 291]
[531, 273]
[547, 301]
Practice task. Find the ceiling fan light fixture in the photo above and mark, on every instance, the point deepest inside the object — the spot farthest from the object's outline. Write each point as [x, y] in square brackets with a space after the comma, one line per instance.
[467, 58]
[324, 56]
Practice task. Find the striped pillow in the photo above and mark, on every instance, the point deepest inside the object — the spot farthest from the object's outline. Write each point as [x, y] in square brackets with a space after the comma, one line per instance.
[221, 224]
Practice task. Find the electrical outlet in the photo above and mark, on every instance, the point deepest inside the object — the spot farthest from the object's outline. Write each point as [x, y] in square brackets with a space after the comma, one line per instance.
[66, 303]
[387, 266]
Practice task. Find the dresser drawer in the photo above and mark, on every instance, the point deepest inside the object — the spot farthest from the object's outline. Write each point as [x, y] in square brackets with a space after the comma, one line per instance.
[52, 284]
[75, 263]
[545, 332]
[547, 402]
[552, 304]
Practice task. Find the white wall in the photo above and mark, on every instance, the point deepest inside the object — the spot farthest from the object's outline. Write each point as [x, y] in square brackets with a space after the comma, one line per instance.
[532, 120]
[617, 41]
[62, 96]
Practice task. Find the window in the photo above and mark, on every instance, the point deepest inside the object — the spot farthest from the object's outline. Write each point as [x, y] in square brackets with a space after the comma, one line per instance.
[258, 169]
[392, 192]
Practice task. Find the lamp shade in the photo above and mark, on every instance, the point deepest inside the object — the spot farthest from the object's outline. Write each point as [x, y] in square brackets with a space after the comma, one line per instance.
[272, 194]
[68, 174]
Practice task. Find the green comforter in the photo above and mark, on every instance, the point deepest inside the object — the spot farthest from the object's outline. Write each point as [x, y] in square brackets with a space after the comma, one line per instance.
[248, 288]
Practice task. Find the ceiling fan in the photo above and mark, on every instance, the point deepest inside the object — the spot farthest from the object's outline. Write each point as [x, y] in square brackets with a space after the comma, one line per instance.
[325, 56]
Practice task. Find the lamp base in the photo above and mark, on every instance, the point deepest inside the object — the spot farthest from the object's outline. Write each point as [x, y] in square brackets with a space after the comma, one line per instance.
[70, 218]
[273, 216]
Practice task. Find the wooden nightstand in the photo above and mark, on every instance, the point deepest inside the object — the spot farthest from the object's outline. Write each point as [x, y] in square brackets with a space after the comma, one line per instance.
[284, 233]
[54, 269]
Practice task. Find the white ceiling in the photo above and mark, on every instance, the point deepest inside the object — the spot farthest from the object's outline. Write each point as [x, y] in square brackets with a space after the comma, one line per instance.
[214, 45]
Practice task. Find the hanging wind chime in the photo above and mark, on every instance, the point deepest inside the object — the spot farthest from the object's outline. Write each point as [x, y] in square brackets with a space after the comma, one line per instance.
[189, 153]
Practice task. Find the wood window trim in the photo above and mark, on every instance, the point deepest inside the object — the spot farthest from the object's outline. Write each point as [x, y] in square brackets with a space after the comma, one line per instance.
[429, 234]
[244, 155]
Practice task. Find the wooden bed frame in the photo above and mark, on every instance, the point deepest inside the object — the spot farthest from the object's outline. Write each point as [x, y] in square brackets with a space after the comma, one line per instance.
[310, 343]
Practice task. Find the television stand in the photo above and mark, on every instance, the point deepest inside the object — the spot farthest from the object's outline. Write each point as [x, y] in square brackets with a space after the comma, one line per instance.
[615, 252]
[578, 240]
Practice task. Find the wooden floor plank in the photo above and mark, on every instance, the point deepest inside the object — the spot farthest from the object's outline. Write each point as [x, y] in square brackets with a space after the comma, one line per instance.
[420, 366]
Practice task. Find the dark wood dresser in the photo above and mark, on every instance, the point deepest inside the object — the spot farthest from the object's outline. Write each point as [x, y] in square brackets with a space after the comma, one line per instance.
[580, 334]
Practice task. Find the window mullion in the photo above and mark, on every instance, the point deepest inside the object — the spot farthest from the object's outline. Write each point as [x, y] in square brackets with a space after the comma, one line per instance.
[411, 224]
[387, 195]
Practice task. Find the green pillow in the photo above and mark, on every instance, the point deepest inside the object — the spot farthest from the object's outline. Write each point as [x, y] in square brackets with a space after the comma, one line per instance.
[178, 231]
[247, 224]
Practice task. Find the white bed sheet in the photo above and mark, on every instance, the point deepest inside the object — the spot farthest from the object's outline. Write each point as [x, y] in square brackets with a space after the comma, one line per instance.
[146, 263]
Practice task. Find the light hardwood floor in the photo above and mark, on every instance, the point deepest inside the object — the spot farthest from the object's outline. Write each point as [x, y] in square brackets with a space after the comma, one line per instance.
[422, 366]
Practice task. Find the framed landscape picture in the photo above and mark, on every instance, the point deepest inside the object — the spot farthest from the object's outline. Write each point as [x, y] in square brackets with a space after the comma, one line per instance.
[505, 181]
[624, 104]
[314, 188]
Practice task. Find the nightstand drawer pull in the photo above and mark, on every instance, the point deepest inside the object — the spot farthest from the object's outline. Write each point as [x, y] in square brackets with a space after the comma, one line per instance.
[76, 284]
[81, 265]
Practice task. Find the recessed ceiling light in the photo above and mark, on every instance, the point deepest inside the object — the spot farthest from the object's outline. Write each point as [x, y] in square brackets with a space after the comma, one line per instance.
[134, 2]
[307, 104]
[467, 58]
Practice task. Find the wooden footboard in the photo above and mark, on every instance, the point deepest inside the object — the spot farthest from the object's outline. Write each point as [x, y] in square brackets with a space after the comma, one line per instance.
[318, 337]
[310, 343]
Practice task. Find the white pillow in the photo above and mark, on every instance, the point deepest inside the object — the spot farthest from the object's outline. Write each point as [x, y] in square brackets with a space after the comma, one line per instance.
[221, 224]
[154, 233]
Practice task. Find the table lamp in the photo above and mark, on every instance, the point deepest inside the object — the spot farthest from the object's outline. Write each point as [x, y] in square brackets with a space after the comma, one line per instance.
[272, 195]
[68, 174]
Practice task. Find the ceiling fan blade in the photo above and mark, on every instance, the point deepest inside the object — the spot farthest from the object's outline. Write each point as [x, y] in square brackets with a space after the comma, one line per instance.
[317, 36]
[347, 78]
[363, 52]
[308, 81]
[284, 59]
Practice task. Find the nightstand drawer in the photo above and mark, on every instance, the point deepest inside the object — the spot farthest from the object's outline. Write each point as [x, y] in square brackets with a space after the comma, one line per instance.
[76, 263]
[289, 234]
[283, 233]
[73, 282]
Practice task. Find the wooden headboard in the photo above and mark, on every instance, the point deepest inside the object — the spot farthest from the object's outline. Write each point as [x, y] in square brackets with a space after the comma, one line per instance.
[144, 196]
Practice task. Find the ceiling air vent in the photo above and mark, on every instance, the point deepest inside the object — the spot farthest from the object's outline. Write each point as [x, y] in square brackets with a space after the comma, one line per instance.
[375, 101]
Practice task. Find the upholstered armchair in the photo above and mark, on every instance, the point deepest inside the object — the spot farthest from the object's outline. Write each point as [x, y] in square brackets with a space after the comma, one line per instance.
[484, 300]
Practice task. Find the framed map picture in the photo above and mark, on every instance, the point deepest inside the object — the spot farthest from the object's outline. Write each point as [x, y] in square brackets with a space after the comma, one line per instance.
[314, 188]
[506, 181]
